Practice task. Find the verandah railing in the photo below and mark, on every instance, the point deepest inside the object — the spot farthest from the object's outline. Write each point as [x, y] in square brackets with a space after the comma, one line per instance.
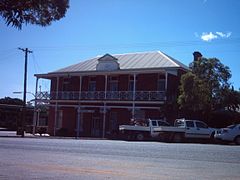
[102, 95]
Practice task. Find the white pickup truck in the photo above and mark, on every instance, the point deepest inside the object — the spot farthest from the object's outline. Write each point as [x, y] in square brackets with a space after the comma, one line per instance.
[142, 130]
[182, 129]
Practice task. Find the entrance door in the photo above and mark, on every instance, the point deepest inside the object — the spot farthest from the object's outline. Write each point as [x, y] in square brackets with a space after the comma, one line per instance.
[113, 125]
[86, 124]
[96, 127]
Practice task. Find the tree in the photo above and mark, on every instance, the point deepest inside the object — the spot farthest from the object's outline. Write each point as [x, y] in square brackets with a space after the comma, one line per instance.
[231, 99]
[10, 112]
[206, 88]
[11, 101]
[194, 95]
[39, 12]
[216, 77]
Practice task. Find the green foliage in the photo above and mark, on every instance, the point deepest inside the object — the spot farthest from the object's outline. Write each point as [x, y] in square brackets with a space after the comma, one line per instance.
[231, 99]
[207, 88]
[39, 12]
[194, 94]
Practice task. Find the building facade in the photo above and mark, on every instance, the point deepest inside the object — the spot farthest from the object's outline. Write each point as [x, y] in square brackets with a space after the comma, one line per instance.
[92, 98]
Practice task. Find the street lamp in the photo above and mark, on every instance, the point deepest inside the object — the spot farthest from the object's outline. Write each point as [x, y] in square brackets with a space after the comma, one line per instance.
[34, 115]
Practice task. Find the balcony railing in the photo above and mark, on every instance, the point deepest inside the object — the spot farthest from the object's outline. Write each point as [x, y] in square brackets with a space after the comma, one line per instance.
[102, 95]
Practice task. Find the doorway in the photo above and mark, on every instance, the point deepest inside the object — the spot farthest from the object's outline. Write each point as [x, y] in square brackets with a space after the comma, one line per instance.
[113, 125]
[96, 130]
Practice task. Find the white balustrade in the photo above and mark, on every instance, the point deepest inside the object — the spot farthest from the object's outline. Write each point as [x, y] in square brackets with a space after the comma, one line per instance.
[100, 95]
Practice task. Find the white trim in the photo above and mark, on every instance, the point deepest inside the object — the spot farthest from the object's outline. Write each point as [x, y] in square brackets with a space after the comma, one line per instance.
[134, 95]
[104, 119]
[35, 110]
[105, 87]
[166, 81]
[56, 109]
[80, 86]
[94, 72]
[78, 120]
[169, 59]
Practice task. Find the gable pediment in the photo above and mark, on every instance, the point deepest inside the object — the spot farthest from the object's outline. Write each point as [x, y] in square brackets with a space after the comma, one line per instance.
[107, 63]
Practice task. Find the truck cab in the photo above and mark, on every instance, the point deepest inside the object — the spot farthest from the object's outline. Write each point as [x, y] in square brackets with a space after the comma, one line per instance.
[195, 128]
[154, 124]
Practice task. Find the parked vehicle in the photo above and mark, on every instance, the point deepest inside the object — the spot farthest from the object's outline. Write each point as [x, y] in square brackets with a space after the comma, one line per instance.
[230, 134]
[141, 129]
[182, 129]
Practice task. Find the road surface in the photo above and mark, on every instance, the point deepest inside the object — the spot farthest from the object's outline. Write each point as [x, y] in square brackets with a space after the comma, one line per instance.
[46, 158]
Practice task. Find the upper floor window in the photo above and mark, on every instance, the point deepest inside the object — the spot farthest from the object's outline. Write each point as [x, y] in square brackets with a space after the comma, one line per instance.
[66, 84]
[161, 83]
[92, 84]
[113, 84]
[131, 83]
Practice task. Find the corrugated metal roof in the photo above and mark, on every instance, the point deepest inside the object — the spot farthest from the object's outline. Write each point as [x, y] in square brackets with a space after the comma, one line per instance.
[130, 61]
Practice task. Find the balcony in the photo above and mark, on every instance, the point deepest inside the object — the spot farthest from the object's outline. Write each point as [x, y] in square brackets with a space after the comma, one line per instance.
[102, 95]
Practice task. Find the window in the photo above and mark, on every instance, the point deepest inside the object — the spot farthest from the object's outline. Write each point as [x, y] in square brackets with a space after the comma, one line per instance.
[161, 83]
[59, 119]
[66, 84]
[161, 123]
[154, 123]
[201, 125]
[232, 126]
[131, 83]
[189, 124]
[92, 84]
[113, 84]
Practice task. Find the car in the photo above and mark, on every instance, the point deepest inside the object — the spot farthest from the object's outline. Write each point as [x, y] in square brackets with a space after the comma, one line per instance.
[230, 134]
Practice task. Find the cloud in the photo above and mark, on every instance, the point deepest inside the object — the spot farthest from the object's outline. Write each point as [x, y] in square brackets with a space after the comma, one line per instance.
[208, 36]
[221, 34]
[211, 36]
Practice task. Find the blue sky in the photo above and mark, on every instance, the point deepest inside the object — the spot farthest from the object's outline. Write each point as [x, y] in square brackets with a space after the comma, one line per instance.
[95, 27]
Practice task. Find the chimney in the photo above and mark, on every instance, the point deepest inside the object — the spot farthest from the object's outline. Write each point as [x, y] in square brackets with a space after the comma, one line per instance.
[197, 56]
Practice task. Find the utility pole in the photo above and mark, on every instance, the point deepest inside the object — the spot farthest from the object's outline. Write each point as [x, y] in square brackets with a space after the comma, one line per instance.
[24, 90]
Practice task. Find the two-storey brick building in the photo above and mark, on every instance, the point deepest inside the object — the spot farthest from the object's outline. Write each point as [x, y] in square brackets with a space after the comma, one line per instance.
[93, 97]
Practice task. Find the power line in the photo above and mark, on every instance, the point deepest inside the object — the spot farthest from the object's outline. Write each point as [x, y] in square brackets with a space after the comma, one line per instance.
[143, 44]
[7, 56]
[6, 50]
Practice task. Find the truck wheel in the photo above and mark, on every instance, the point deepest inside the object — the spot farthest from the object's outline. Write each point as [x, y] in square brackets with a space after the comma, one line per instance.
[139, 137]
[237, 140]
[177, 138]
